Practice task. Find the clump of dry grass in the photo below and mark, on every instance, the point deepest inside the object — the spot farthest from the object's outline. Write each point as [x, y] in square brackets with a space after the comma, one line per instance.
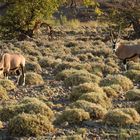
[27, 105]
[122, 117]
[133, 95]
[81, 77]
[73, 116]
[29, 125]
[7, 84]
[33, 79]
[73, 137]
[49, 62]
[96, 111]
[97, 98]
[81, 89]
[134, 75]
[3, 93]
[113, 90]
[121, 80]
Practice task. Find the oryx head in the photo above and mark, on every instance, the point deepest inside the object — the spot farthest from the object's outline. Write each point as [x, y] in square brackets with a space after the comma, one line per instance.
[114, 41]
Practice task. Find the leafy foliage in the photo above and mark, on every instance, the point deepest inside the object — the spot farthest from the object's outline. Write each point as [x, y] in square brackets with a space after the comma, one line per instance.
[21, 15]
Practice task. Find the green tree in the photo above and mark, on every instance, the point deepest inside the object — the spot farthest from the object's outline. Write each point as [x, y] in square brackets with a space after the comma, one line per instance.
[125, 13]
[20, 16]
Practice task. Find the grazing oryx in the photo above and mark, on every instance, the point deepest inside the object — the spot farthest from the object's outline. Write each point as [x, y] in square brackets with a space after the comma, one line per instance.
[124, 52]
[13, 63]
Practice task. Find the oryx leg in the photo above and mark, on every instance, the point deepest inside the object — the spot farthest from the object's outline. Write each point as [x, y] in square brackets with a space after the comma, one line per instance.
[23, 74]
[18, 76]
[125, 64]
[6, 73]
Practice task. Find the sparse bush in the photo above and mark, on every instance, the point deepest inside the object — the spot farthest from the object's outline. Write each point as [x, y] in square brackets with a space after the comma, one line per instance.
[81, 89]
[121, 80]
[33, 79]
[134, 66]
[97, 98]
[3, 93]
[27, 105]
[79, 78]
[122, 117]
[7, 84]
[96, 111]
[134, 75]
[133, 95]
[29, 125]
[73, 116]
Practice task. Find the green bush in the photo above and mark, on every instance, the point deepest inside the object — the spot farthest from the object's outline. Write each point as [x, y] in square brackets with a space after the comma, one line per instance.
[81, 89]
[29, 125]
[122, 117]
[121, 80]
[96, 111]
[33, 79]
[97, 98]
[73, 116]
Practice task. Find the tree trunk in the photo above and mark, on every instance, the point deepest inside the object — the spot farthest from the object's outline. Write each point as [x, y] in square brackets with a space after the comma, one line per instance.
[136, 27]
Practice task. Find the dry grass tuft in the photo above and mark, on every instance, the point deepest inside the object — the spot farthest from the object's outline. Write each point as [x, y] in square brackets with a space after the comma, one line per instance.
[121, 80]
[96, 111]
[97, 98]
[122, 117]
[34, 79]
[27, 105]
[3, 93]
[80, 78]
[73, 116]
[29, 125]
[133, 95]
[7, 84]
[81, 89]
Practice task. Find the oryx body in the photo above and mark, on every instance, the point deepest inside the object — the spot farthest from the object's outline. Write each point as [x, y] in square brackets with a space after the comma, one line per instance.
[125, 52]
[13, 63]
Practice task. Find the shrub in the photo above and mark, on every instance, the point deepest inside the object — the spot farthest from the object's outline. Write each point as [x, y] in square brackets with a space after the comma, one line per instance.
[97, 98]
[73, 116]
[67, 73]
[28, 105]
[96, 111]
[137, 106]
[121, 80]
[79, 90]
[79, 78]
[7, 84]
[33, 79]
[134, 75]
[33, 66]
[133, 95]
[3, 93]
[73, 137]
[122, 117]
[29, 125]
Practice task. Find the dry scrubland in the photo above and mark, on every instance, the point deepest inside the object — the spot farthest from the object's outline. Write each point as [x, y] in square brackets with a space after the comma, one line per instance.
[75, 89]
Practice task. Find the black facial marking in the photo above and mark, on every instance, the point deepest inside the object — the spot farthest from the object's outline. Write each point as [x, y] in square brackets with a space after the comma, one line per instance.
[1, 69]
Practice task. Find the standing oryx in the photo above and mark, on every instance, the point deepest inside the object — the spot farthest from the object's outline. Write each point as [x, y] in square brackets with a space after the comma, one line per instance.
[13, 63]
[123, 51]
